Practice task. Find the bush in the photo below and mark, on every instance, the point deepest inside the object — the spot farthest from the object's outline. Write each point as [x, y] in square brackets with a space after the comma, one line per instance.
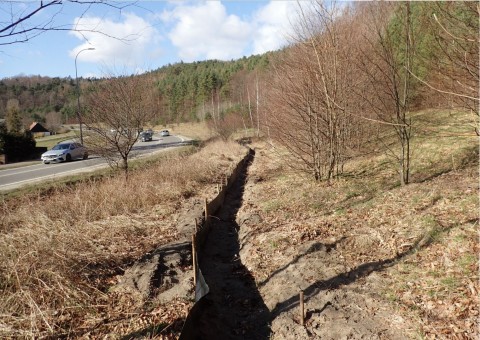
[17, 146]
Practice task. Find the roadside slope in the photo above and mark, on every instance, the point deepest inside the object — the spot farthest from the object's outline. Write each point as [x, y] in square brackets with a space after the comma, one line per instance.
[374, 260]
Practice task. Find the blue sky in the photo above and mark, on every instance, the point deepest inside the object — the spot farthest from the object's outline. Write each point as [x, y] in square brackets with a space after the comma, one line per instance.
[143, 36]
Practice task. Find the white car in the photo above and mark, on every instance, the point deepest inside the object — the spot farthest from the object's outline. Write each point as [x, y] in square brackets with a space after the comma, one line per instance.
[164, 133]
[65, 152]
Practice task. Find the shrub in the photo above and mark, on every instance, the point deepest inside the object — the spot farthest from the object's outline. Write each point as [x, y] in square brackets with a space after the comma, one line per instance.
[16, 146]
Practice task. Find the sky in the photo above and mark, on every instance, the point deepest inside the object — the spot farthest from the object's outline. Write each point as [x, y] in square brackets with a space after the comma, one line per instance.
[142, 36]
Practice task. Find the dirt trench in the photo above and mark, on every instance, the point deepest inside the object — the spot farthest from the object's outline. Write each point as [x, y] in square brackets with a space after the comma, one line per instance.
[234, 308]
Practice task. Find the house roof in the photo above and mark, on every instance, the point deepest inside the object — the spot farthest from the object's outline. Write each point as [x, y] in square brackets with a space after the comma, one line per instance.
[37, 127]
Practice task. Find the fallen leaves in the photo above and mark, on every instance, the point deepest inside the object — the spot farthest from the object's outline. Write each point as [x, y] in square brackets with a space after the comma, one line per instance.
[427, 230]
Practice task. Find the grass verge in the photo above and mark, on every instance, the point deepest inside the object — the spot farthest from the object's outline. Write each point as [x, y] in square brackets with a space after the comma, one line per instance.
[427, 232]
[62, 248]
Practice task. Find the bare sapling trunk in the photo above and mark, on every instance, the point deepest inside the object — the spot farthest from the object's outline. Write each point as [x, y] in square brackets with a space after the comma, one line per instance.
[311, 90]
[118, 108]
[385, 66]
[257, 105]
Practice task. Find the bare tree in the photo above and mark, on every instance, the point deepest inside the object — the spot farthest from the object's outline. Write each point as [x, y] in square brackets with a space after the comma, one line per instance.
[310, 91]
[227, 125]
[385, 63]
[117, 110]
[21, 21]
[53, 120]
[454, 61]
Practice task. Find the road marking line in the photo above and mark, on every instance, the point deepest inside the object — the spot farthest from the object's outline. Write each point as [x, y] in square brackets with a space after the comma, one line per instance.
[43, 166]
[54, 176]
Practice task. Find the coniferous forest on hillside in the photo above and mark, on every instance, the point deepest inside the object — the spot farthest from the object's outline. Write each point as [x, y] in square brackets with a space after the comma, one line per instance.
[186, 91]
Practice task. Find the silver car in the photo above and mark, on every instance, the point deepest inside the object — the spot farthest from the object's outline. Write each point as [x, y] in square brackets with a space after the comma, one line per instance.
[65, 152]
[164, 133]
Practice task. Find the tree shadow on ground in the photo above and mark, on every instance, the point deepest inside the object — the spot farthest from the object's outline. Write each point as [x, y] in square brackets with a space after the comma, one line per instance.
[317, 246]
[346, 278]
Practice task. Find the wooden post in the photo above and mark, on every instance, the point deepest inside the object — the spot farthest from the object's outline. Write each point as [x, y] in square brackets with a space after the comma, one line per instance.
[226, 180]
[196, 226]
[206, 213]
[302, 310]
[194, 260]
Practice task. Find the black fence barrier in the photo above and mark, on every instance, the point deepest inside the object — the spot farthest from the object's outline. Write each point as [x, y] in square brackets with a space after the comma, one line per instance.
[191, 326]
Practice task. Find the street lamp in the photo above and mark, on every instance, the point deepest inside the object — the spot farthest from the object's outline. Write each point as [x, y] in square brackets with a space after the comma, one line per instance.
[79, 116]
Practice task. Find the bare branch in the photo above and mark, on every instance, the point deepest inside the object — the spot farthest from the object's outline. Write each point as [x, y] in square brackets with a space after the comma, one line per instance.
[117, 111]
[443, 91]
[450, 33]
[22, 27]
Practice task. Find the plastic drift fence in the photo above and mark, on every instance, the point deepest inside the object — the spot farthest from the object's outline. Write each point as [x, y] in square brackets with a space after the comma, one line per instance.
[190, 328]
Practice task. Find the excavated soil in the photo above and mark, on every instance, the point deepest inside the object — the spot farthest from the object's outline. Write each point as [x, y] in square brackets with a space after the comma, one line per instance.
[239, 306]
[340, 302]
[256, 268]
[234, 308]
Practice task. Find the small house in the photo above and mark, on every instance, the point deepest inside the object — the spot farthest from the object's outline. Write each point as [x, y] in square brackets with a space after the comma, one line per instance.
[38, 130]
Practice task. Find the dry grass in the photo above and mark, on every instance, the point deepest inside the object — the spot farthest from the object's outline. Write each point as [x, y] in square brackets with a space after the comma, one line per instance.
[197, 131]
[60, 250]
[427, 227]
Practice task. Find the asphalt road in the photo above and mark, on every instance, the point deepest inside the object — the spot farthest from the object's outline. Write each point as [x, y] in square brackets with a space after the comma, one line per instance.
[12, 178]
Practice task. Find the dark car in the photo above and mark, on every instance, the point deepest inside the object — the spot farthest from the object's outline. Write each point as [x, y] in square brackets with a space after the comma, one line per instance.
[146, 136]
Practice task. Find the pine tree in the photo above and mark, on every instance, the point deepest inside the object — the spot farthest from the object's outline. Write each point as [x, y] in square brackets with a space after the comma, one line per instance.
[14, 123]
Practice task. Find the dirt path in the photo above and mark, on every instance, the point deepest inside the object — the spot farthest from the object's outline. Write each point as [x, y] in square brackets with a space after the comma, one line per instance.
[234, 308]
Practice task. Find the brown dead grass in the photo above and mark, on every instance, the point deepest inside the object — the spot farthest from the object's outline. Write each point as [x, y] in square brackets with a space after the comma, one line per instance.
[197, 131]
[428, 228]
[61, 250]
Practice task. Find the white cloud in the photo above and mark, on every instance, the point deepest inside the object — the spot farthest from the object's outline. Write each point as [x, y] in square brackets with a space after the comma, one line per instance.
[120, 43]
[196, 30]
[206, 31]
[274, 25]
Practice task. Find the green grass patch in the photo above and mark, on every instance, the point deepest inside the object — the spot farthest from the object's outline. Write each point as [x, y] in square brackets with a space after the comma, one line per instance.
[51, 141]
[466, 262]
[315, 206]
[272, 205]
[450, 282]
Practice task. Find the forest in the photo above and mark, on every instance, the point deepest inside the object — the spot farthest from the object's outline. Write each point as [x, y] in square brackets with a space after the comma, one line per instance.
[186, 92]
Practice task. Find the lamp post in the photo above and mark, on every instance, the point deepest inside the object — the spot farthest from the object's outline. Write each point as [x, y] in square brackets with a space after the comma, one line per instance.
[79, 116]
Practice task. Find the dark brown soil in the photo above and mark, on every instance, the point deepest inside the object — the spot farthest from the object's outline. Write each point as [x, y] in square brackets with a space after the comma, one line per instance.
[234, 308]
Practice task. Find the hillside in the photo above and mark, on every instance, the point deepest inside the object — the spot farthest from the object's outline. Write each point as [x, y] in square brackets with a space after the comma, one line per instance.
[374, 260]
[185, 91]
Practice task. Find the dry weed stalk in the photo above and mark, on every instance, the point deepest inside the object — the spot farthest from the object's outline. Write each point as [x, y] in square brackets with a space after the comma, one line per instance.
[59, 250]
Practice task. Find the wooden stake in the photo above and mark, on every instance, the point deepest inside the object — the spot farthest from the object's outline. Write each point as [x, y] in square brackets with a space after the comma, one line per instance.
[206, 213]
[302, 310]
[196, 226]
[194, 260]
